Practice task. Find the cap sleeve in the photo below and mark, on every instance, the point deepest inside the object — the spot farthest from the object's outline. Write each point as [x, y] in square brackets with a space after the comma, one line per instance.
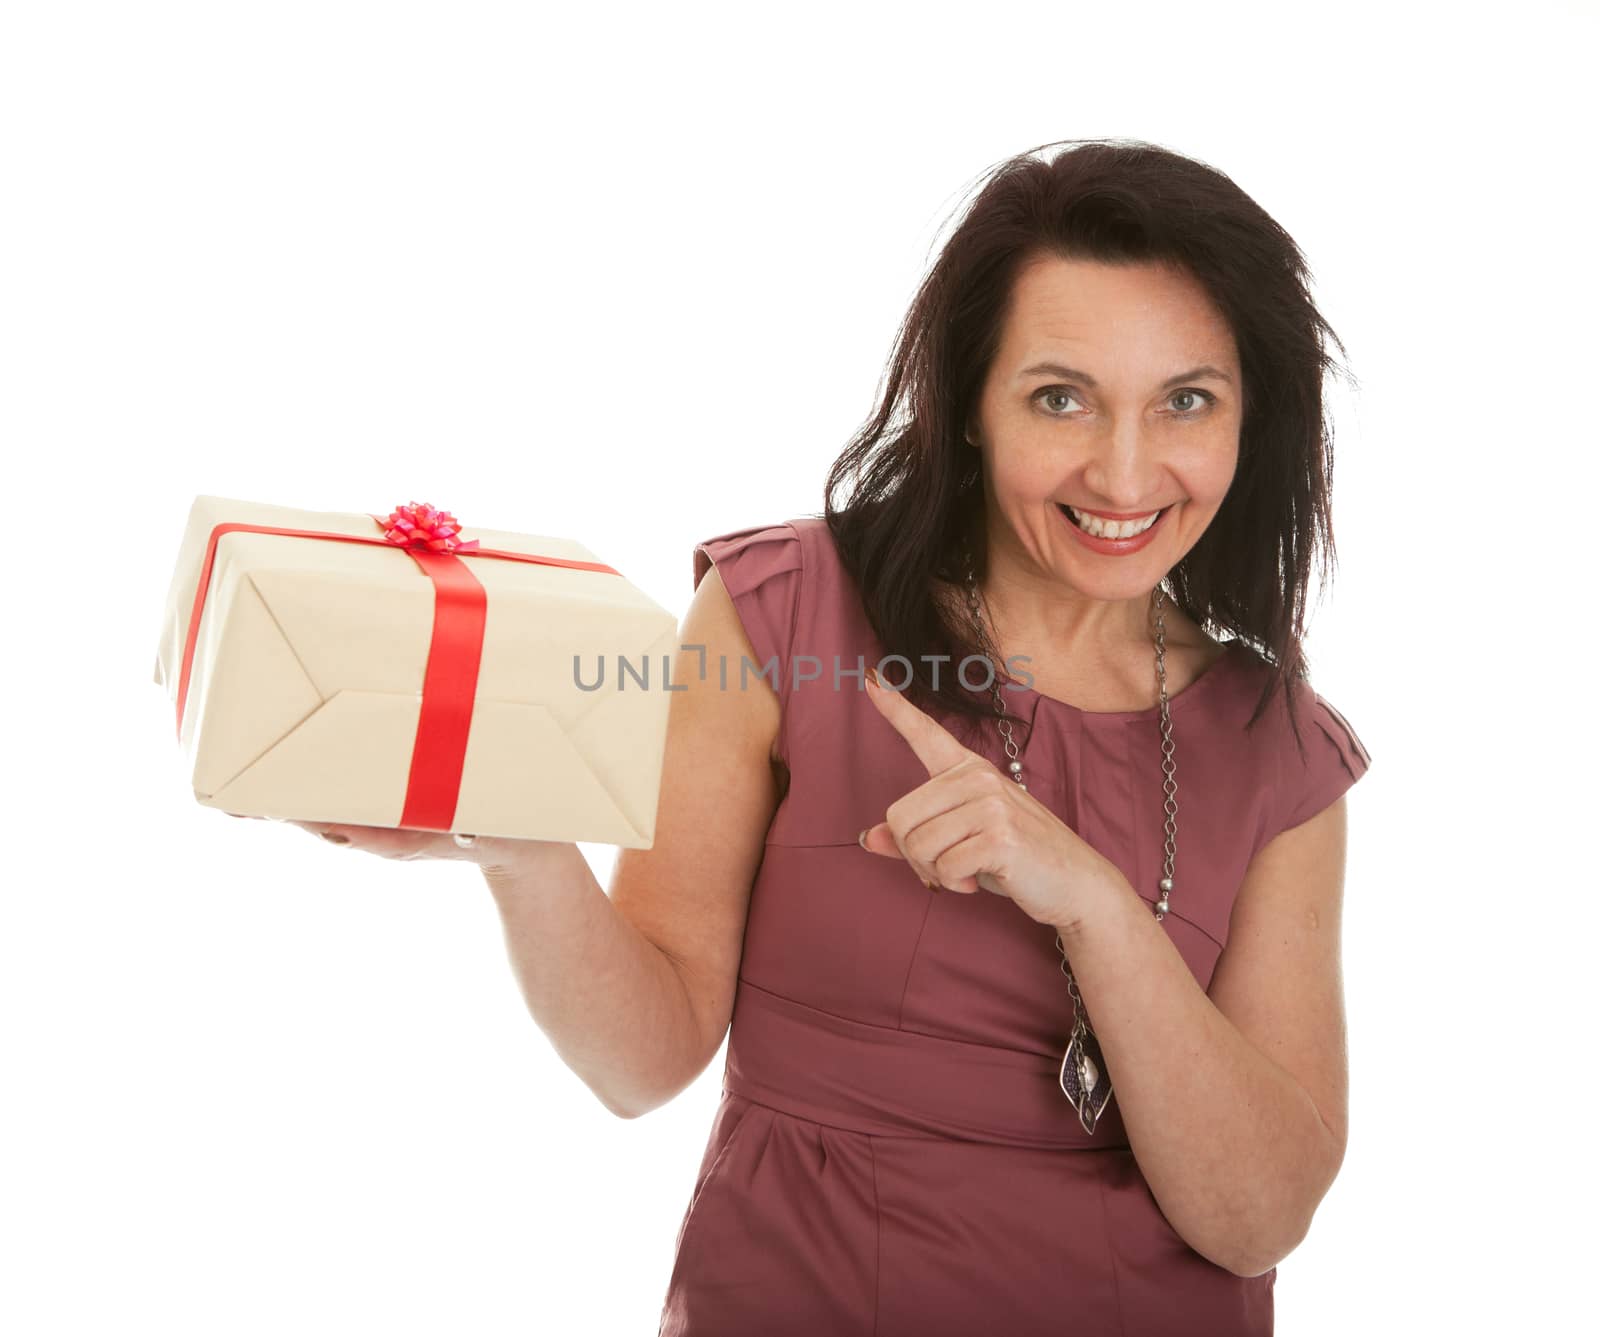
[762, 570]
[1335, 758]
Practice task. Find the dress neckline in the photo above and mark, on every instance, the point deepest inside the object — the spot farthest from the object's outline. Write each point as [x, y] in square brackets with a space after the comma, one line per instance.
[1208, 681]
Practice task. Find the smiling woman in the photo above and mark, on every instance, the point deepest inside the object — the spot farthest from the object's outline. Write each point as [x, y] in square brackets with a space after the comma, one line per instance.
[1107, 432]
[1120, 331]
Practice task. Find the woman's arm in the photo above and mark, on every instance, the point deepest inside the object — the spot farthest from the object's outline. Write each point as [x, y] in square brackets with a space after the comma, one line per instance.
[1235, 1103]
[635, 990]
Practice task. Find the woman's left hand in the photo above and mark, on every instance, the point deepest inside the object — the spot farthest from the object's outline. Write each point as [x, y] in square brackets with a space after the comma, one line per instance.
[972, 827]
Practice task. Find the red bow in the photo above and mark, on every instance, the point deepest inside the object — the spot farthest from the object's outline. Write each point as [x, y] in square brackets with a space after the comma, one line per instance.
[419, 525]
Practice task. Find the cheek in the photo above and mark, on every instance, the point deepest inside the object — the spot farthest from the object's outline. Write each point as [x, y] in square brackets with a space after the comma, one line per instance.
[1210, 473]
[1025, 476]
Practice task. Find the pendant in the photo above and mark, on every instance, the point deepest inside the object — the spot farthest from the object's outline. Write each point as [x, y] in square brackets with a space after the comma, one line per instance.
[1083, 1075]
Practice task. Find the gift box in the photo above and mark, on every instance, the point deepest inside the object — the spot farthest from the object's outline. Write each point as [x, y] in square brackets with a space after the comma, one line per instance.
[401, 670]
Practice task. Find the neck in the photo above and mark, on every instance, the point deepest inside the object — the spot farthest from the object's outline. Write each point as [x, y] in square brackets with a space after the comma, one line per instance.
[1023, 607]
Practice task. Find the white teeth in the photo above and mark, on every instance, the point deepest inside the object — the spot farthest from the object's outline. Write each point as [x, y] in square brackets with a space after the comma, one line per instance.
[1112, 529]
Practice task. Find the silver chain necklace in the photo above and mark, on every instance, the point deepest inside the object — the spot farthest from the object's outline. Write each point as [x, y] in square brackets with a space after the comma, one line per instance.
[1083, 1070]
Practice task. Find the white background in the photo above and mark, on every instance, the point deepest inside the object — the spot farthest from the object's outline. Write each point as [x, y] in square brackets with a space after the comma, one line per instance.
[630, 274]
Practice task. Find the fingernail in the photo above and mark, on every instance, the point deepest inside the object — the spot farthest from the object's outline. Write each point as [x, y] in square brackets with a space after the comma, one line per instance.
[336, 838]
[861, 840]
[872, 676]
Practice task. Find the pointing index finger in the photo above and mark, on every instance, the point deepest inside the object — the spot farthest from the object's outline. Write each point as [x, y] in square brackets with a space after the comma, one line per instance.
[935, 746]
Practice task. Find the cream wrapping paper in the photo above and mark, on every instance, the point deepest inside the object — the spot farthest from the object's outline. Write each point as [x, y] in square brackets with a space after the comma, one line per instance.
[306, 680]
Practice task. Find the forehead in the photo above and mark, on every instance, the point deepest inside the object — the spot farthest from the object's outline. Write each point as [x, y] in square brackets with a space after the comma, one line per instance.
[1152, 312]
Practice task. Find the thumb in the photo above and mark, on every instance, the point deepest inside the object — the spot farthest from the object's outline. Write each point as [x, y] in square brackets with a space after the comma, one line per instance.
[879, 839]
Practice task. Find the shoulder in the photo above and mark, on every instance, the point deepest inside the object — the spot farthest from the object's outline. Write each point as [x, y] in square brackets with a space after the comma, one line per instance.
[1317, 755]
[749, 555]
[771, 573]
[757, 552]
[763, 568]
[1326, 738]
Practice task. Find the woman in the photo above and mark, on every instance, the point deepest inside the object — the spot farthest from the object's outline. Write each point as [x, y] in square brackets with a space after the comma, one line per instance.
[919, 1130]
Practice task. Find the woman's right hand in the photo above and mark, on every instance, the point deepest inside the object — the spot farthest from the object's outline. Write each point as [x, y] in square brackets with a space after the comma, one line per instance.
[493, 854]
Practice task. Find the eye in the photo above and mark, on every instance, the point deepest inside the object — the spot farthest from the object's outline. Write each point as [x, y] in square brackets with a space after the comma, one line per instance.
[1205, 396]
[1055, 392]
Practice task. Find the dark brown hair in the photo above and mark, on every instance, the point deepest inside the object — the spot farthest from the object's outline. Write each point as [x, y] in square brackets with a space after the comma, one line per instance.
[917, 484]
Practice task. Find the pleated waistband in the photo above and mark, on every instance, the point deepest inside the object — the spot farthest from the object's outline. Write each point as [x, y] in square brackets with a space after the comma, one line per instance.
[892, 1083]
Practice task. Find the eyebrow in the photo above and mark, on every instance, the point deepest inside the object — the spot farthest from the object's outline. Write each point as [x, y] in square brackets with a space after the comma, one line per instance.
[1072, 374]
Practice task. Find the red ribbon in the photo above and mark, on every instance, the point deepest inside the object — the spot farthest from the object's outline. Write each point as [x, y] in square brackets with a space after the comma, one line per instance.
[450, 682]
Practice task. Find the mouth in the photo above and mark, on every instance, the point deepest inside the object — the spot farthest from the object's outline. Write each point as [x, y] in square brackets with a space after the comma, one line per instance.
[1112, 531]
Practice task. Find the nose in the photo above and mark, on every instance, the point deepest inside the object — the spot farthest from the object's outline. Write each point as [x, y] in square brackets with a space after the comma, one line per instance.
[1125, 471]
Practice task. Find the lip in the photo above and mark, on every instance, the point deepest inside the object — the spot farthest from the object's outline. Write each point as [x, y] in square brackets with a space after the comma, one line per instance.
[1114, 547]
[1113, 515]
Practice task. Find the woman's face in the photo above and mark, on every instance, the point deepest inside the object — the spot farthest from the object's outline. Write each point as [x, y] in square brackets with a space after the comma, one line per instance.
[1128, 420]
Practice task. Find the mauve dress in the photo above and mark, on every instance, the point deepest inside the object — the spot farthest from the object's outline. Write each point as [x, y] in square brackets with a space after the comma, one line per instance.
[892, 1155]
